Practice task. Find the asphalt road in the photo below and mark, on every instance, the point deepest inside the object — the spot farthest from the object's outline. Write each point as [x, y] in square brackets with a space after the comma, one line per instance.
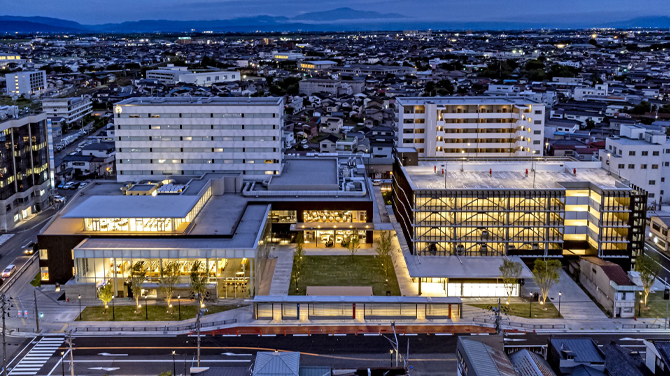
[428, 354]
[663, 260]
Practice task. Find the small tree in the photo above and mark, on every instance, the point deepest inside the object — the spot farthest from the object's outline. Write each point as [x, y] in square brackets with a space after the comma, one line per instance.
[199, 281]
[510, 271]
[648, 268]
[106, 293]
[169, 274]
[384, 249]
[297, 258]
[546, 274]
[353, 246]
[137, 274]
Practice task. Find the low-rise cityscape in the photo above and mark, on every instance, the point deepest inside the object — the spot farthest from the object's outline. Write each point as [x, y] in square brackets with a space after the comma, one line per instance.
[461, 202]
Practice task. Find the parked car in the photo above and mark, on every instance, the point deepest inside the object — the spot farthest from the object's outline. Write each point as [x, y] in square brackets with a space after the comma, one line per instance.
[61, 185]
[70, 185]
[9, 270]
[82, 185]
[59, 199]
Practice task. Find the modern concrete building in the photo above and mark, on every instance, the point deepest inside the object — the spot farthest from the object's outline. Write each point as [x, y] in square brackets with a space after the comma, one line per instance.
[24, 169]
[659, 232]
[210, 78]
[26, 83]
[70, 109]
[642, 157]
[160, 137]
[221, 219]
[466, 127]
[316, 66]
[165, 76]
[358, 70]
[282, 56]
[8, 58]
[485, 210]
[175, 76]
[333, 87]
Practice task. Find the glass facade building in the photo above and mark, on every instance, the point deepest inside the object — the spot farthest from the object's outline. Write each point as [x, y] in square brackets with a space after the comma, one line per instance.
[571, 219]
[24, 168]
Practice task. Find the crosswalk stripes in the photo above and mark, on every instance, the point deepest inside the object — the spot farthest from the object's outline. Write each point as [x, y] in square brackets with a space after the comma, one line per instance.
[37, 357]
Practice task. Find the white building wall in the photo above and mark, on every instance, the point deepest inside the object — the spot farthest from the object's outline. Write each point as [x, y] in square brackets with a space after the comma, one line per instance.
[436, 133]
[156, 140]
[644, 164]
[26, 83]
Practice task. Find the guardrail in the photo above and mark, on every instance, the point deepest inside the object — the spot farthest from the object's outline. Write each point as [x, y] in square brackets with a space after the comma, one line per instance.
[22, 270]
[164, 328]
[520, 324]
[641, 326]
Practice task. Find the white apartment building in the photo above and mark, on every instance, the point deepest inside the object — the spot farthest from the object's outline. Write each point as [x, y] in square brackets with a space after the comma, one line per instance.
[584, 93]
[471, 126]
[26, 82]
[160, 137]
[210, 78]
[164, 76]
[71, 109]
[642, 157]
[172, 76]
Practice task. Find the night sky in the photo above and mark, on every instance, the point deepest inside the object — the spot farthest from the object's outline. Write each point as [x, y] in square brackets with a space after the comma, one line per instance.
[114, 11]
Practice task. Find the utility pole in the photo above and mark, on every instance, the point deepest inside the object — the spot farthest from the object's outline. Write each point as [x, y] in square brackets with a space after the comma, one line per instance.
[4, 339]
[71, 354]
[37, 314]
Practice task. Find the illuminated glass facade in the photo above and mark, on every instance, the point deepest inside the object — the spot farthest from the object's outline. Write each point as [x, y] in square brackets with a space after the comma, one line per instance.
[575, 218]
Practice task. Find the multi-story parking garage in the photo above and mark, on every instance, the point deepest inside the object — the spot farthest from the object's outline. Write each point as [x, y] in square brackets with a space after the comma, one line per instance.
[526, 208]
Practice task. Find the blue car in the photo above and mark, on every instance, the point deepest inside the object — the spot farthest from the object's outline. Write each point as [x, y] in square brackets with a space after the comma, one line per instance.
[61, 185]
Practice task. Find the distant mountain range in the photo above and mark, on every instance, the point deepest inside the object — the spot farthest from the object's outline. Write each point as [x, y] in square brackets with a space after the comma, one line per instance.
[340, 19]
[341, 14]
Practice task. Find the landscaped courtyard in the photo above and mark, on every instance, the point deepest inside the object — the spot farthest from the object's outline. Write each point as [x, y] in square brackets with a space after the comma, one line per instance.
[535, 310]
[345, 271]
[154, 312]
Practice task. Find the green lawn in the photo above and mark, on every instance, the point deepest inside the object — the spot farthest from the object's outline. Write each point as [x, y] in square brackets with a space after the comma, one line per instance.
[522, 310]
[37, 281]
[345, 271]
[655, 306]
[156, 312]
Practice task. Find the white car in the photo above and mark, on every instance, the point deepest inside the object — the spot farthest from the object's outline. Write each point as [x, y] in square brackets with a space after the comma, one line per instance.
[9, 270]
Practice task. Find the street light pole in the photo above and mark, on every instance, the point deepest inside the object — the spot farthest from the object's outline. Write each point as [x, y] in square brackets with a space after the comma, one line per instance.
[146, 308]
[62, 362]
[559, 303]
[530, 306]
[37, 314]
[174, 367]
[79, 298]
[113, 314]
[179, 302]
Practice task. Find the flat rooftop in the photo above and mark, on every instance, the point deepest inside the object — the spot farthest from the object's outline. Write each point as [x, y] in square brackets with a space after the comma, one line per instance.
[245, 237]
[306, 174]
[475, 175]
[164, 206]
[418, 101]
[212, 101]
[459, 267]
